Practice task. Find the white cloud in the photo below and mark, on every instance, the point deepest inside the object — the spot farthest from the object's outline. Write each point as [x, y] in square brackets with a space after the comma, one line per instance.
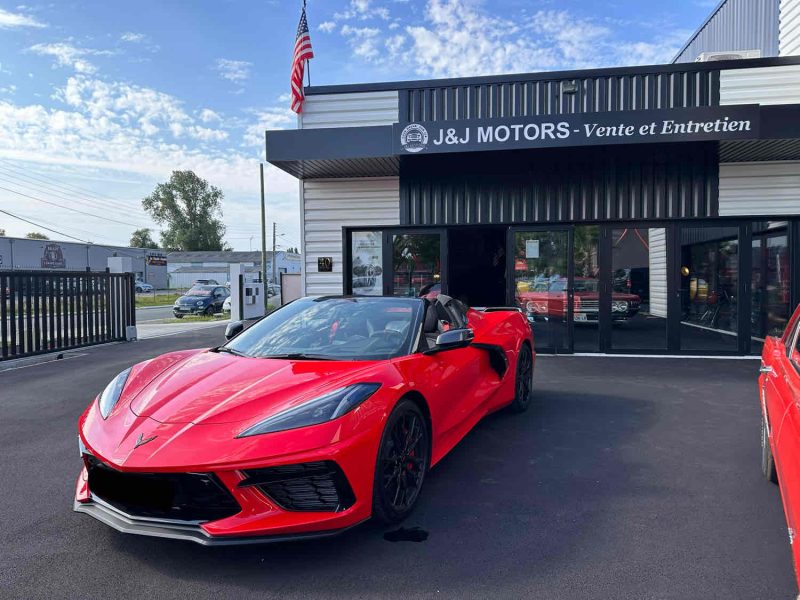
[9, 89]
[327, 26]
[9, 20]
[461, 38]
[132, 37]
[67, 55]
[207, 115]
[236, 71]
[266, 119]
[363, 10]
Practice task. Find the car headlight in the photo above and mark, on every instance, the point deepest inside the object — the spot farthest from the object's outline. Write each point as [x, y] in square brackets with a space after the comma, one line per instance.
[108, 399]
[620, 306]
[177, 303]
[319, 410]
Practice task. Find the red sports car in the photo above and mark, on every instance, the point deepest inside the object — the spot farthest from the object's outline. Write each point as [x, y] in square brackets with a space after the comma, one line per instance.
[779, 384]
[324, 413]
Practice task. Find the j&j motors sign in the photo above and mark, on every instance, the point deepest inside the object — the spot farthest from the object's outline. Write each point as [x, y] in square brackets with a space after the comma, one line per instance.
[628, 127]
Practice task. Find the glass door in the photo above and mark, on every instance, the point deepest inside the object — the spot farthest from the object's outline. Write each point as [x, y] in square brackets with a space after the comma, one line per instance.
[417, 263]
[542, 285]
[639, 289]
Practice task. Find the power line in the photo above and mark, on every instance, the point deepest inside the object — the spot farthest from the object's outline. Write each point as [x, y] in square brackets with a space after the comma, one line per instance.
[65, 207]
[54, 190]
[85, 191]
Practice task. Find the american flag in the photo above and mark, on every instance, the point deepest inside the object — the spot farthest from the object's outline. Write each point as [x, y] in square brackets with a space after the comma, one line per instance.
[302, 52]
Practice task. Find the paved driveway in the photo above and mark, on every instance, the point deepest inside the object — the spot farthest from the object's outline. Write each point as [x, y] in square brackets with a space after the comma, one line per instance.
[630, 478]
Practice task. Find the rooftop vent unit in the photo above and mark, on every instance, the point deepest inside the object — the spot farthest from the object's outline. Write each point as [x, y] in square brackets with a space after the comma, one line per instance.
[733, 55]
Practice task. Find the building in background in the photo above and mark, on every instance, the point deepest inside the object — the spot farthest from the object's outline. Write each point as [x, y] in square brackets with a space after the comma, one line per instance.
[23, 254]
[649, 209]
[186, 267]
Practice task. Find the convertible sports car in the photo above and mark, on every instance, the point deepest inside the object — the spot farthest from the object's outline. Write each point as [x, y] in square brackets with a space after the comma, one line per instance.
[324, 413]
[779, 384]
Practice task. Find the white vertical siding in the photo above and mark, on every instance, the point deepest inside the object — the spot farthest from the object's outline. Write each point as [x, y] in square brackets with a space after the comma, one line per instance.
[360, 109]
[789, 29]
[760, 85]
[658, 272]
[329, 205]
[759, 188]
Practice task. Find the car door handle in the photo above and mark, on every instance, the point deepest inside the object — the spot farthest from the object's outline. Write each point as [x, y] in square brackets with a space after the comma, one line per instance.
[765, 369]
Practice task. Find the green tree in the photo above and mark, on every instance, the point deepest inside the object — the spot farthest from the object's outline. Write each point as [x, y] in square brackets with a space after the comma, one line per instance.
[141, 238]
[35, 235]
[189, 209]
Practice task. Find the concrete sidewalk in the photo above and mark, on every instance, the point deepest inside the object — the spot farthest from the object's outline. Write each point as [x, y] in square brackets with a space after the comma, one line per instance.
[154, 330]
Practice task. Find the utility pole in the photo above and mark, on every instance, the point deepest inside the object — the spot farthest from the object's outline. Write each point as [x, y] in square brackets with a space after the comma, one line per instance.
[263, 237]
[274, 248]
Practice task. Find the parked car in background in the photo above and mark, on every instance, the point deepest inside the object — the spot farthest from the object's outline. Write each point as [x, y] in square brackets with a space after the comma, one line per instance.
[548, 299]
[273, 289]
[201, 300]
[142, 287]
[779, 385]
[226, 306]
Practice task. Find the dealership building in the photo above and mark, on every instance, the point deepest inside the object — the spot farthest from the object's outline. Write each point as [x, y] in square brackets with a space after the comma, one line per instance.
[637, 209]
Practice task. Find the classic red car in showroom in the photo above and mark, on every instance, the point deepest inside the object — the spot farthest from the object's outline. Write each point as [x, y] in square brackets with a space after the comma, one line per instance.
[548, 299]
[779, 386]
[324, 413]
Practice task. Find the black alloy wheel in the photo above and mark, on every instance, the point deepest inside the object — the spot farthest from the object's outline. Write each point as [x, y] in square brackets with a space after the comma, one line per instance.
[523, 386]
[403, 459]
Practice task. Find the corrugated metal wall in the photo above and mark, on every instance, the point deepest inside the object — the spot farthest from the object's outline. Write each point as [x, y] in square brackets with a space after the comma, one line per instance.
[546, 96]
[790, 28]
[550, 186]
[362, 109]
[761, 85]
[330, 204]
[759, 188]
[736, 25]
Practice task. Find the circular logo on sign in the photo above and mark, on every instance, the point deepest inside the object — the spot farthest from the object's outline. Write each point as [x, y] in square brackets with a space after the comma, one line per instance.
[414, 138]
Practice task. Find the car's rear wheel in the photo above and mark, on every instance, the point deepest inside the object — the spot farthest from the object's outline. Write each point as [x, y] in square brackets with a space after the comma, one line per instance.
[178, 316]
[403, 460]
[767, 460]
[523, 388]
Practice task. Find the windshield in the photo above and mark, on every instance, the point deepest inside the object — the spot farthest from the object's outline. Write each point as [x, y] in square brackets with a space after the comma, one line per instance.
[334, 329]
[200, 290]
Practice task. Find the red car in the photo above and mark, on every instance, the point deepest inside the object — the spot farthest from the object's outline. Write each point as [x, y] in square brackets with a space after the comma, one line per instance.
[779, 384]
[324, 413]
[549, 299]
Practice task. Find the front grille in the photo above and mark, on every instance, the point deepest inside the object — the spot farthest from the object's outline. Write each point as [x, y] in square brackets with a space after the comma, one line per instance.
[314, 486]
[181, 496]
[586, 306]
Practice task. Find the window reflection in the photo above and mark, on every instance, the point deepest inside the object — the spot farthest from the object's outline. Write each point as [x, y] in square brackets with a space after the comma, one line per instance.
[770, 307]
[416, 265]
[586, 297]
[709, 288]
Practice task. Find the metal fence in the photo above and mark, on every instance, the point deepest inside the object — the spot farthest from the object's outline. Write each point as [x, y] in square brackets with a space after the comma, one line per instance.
[42, 311]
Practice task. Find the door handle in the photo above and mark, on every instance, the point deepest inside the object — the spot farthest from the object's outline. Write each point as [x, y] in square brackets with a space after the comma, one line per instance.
[765, 369]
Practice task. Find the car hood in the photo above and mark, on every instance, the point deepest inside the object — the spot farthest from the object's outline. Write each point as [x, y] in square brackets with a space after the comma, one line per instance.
[213, 388]
[192, 299]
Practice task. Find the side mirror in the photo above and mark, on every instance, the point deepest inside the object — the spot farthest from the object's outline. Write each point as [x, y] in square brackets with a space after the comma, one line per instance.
[455, 338]
[234, 329]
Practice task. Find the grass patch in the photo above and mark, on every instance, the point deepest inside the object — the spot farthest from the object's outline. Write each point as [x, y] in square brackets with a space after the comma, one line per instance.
[156, 300]
[193, 318]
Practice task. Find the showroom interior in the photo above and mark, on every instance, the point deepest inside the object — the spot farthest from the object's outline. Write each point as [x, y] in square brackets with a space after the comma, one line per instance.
[640, 210]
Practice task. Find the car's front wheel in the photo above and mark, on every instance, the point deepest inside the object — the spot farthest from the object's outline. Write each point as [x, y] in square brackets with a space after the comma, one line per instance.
[402, 462]
[767, 461]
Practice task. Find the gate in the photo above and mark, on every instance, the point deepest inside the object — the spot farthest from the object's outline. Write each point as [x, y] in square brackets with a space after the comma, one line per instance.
[43, 311]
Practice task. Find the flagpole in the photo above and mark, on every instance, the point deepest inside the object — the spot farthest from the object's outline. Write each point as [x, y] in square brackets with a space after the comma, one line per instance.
[308, 62]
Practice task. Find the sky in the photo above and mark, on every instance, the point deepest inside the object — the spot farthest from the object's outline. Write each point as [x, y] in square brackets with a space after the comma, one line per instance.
[100, 101]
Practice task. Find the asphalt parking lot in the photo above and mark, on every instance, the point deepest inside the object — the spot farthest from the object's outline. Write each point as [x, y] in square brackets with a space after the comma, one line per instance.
[629, 478]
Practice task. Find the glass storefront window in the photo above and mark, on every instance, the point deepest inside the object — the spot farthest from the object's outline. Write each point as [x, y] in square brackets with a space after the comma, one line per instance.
[770, 290]
[586, 288]
[709, 288]
[416, 264]
[367, 263]
[541, 261]
[639, 288]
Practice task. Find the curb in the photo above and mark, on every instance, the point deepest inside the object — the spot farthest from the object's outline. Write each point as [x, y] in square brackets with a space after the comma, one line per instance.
[151, 307]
